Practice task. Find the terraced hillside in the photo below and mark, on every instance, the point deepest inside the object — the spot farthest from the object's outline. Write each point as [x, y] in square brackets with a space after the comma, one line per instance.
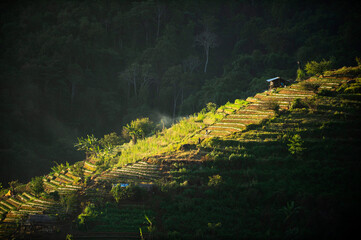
[285, 165]
[262, 106]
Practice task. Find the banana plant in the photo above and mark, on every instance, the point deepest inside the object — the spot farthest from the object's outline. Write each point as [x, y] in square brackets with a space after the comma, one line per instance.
[90, 145]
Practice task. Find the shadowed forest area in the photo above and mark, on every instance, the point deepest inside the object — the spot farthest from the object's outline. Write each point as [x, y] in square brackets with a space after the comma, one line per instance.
[71, 68]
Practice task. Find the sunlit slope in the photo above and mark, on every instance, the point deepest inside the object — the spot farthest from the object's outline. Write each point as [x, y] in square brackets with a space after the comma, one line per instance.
[263, 105]
[322, 111]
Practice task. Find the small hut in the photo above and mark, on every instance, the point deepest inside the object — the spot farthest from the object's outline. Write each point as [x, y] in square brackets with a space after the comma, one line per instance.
[277, 82]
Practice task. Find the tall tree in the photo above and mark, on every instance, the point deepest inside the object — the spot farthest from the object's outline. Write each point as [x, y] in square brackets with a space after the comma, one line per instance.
[207, 40]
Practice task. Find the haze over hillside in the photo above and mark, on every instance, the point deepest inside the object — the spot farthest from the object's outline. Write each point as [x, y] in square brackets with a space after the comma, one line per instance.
[72, 68]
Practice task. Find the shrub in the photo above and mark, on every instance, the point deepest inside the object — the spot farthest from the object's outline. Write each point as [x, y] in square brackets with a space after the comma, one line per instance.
[55, 195]
[60, 167]
[89, 212]
[298, 103]
[358, 61]
[301, 75]
[13, 185]
[318, 68]
[138, 129]
[37, 185]
[273, 105]
[129, 192]
[90, 145]
[211, 107]
[309, 86]
[110, 140]
[68, 203]
[295, 146]
[327, 93]
[215, 180]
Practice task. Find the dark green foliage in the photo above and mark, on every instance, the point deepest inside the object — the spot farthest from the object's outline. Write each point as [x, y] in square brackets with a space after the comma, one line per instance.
[69, 203]
[310, 86]
[13, 184]
[138, 129]
[131, 192]
[89, 213]
[327, 93]
[318, 68]
[295, 145]
[90, 145]
[273, 105]
[298, 103]
[301, 75]
[358, 61]
[55, 195]
[110, 140]
[112, 218]
[36, 185]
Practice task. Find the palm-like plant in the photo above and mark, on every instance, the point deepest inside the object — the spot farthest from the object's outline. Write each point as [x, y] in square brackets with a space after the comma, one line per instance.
[90, 145]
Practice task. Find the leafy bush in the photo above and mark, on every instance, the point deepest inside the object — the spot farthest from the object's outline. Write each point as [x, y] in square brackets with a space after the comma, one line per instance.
[301, 75]
[138, 129]
[90, 145]
[318, 68]
[241, 102]
[129, 192]
[60, 167]
[55, 195]
[89, 212]
[37, 185]
[68, 203]
[295, 146]
[298, 103]
[211, 107]
[215, 180]
[358, 61]
[352, 72]
[273, 105]
[326, 93]
[110, 140]
[309, 86]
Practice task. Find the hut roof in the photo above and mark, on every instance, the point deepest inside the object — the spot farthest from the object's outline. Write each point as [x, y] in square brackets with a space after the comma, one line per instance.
[272, 79]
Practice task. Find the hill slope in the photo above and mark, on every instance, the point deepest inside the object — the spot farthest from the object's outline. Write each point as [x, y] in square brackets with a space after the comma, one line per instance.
[284, 164]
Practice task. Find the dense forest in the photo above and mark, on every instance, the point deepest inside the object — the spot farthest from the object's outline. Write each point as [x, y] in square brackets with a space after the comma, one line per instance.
[71, 68]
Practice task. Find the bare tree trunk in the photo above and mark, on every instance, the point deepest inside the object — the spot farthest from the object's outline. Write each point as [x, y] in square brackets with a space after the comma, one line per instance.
[207, 54]
[73, 89]
[135, 84]
[158, 23]
[174, 107]
[175, 98]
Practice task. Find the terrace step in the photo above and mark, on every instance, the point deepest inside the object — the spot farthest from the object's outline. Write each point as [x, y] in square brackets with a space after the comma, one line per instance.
[242, 121]
[251, 111]
[14, 202]
[216, 133]
[32, 197]
[64, 177]
[27, 211]
[89, 166]
[8, 205]
[4, 208]
[224, 128]
[247, 116]
[71, 175]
